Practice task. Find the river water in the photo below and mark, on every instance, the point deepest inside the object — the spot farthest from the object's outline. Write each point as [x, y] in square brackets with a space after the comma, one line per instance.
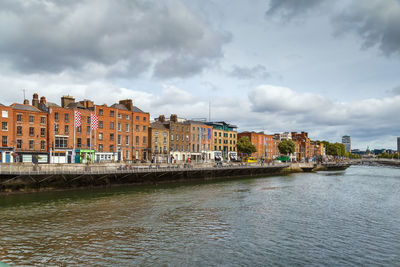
[345, 218]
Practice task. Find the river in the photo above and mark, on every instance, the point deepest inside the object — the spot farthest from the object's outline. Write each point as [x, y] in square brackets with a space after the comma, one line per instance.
[340, 218]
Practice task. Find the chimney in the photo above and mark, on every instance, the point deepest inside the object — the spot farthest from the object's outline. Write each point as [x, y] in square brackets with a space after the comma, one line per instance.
[173, 118]
[43, 100]
[127, 103]
[35, 100]
[161, 118]
[87, 103]
[26, 102]
[66, 100]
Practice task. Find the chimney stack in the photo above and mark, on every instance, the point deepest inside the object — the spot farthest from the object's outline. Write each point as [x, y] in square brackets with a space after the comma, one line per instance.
[127, 103]
[26, 102]
[161, 118]
[35, 100]
[174, 118]
[66, 100]
[43, 100]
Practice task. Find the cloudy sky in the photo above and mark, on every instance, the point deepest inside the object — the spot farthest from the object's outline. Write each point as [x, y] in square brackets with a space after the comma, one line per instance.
[327, 67]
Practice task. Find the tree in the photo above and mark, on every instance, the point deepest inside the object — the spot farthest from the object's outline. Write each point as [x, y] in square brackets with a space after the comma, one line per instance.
[286, 147]
[245, 146]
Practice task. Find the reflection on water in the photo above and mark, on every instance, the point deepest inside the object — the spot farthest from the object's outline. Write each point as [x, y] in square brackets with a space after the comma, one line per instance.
[327, 218]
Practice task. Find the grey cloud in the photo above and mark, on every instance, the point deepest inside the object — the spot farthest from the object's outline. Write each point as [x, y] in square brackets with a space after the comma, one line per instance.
[258, 71]
[127, 37]
[395, 90]
[290, 8]
[376, 22]
[363, 119]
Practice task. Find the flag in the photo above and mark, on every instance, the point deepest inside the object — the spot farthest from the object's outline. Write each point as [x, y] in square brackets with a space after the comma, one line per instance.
[94, 121]
[208, 133]
[201, 132]
[77, 118]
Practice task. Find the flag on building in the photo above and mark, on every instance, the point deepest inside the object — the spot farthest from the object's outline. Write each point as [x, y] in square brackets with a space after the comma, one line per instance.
[77, 118]
[94, 121]
[208, 133]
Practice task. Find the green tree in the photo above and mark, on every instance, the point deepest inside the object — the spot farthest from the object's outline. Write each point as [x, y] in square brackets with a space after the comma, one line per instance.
[245, 146]
[286, 147]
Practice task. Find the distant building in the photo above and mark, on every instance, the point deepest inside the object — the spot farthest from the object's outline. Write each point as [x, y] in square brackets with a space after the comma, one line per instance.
[398, 144]
[346, 141]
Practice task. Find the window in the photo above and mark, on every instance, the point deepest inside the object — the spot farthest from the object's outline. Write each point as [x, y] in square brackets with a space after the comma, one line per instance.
[172, 137]
[66, 129]
[111, 113]
[42, 132]
[144, 118]
[119, 139]
[88, 142]
[111, 148]
[144, 140]
[88, 120]
[193, 148]
[4, 141]
[144, 128]
[137, 128]
[126, 127]
[55, 117]
[19, 117]
[4, 114]
[177, 137]
[101, 112]
[198, 147]
[119, 116]
[137, 118]
[156, 140]
[31, 144]
[42, 120]
[4, 126]
[42, 145]
[61, 142]
[187, 137]
[88, 129]
[100, 124]
[119, 127]
[19, 143]
[19, 130]
[165, 140]
[79, 142]
[219, 134]
[100, 147]
[112, 125]
[56, 128]
[193, 138]
[112, 137]
[137, 140]
[31, 131]
[127, 154]
[79, 129]
[127, 117]
[100, 136]
[127, 140]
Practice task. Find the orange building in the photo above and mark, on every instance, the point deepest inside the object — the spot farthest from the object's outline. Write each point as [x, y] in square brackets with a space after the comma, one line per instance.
[303, 146]
[266, 145]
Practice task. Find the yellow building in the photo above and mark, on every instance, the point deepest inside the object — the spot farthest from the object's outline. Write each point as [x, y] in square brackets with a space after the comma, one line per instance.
[225, 140]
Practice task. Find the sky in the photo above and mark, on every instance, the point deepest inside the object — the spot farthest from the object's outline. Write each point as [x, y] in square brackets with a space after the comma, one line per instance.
[330, 68]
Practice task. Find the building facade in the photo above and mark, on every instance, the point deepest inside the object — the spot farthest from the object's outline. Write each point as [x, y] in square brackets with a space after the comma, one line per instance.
[224, 140]
[346, 141]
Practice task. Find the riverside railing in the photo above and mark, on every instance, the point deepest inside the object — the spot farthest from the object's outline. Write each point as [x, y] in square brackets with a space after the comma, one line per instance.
[99, 170]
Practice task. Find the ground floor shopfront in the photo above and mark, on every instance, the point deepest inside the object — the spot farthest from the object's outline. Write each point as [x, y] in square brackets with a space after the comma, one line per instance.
[31, 157]
[6, 154]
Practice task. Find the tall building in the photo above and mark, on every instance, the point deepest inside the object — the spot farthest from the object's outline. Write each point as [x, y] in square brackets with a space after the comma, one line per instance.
[346, 141]
[225, 138]
[398, 144]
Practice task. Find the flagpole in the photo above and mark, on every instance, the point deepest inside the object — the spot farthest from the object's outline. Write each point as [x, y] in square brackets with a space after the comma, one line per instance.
[90, 138]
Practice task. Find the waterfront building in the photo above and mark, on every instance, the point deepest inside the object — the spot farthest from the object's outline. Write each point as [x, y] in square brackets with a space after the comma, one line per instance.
[47, 132]
[224, 139]
[346, 140]
[266, 145]
[179, 138]
[302, 144]
[317, 149]
[159, 142]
